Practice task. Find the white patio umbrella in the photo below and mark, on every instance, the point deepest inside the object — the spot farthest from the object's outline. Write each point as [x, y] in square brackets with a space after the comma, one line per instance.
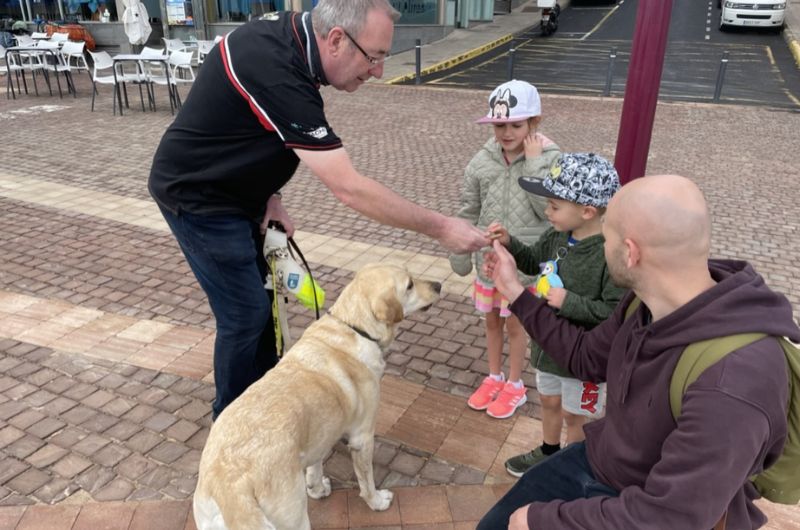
[136, 21]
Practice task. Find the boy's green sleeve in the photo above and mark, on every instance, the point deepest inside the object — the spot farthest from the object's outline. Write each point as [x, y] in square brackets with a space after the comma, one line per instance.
[528, 257]
[591, 311]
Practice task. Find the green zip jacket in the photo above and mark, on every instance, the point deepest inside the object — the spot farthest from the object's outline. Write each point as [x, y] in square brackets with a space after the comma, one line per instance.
[591, 295]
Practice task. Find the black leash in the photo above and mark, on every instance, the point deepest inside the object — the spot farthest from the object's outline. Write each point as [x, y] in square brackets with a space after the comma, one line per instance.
[293, 245]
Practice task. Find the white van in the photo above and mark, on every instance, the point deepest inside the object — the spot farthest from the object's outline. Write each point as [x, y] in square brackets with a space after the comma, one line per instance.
[756, 13]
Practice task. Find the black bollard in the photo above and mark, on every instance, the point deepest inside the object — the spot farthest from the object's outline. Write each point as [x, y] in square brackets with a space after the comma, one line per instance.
[723, 65]
[612, 56]
[418, 49]
[511, 53]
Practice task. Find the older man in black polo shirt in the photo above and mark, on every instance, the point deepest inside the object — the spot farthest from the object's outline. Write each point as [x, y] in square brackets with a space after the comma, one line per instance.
[254, 112]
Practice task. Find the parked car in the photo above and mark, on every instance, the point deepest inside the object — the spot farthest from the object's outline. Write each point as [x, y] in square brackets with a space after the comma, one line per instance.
[756, 13]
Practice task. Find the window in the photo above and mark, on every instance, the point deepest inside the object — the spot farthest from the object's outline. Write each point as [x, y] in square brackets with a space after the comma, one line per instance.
[417, 11]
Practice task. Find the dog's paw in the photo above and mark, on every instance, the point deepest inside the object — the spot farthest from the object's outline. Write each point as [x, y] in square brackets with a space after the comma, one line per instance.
[381, 500]
[318, 491]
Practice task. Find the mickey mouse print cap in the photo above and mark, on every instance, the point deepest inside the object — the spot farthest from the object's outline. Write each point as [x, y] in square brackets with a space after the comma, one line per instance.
[513, 101]
[581, 178]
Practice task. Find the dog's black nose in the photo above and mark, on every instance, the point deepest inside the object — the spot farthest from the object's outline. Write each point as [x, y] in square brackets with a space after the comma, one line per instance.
[437, 287]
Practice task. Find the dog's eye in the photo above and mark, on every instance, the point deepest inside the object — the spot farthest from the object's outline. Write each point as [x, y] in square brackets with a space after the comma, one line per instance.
[410, 284]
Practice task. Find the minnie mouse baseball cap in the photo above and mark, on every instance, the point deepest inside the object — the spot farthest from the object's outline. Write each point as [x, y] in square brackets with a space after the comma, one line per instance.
[513, 101]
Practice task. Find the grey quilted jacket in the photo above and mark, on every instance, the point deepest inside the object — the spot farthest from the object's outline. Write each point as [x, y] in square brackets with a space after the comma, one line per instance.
[491, 193]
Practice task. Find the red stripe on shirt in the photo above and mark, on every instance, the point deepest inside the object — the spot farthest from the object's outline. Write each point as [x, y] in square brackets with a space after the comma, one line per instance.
[223, 48]
[297, 37]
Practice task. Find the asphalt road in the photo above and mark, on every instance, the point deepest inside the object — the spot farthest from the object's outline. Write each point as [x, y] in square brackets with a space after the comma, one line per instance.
[760, 69]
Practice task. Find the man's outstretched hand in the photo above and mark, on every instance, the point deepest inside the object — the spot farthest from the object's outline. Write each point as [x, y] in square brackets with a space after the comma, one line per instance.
[460, 236]
[499, 265]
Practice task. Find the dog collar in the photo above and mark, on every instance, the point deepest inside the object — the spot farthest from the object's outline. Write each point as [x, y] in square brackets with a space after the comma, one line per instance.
[357, 330]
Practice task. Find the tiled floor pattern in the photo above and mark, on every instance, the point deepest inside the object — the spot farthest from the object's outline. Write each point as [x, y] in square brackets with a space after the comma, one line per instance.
[426, 507]
[320, 249]
[159, 465]
[86, 429]
[116, 431]
[137, 431]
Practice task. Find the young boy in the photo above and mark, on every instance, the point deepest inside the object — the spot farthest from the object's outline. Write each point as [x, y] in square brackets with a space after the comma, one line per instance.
[577, 189]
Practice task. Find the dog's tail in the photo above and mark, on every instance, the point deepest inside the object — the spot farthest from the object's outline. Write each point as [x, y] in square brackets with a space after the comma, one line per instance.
[247, 515]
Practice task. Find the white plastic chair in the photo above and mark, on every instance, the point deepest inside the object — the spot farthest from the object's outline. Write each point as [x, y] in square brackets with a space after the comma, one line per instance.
[154, 69]
[59, 37]
[25, 40]
[103, 72]
[204, 48]
[53, 61]
[131, 72]
[16, 71]
[38, 35]
[72, 59]
[72, 51]
[172, 45]
[177, 45]
[181, 72]
[20, 62]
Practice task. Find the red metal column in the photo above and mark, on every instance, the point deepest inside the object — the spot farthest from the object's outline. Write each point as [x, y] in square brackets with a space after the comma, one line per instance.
[641, 89]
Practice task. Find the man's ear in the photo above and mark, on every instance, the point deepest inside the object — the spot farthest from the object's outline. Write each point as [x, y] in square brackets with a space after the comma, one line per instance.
[634, 253]
[335, 40]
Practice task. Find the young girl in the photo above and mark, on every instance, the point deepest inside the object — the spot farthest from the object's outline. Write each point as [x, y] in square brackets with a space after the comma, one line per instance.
[492, 193]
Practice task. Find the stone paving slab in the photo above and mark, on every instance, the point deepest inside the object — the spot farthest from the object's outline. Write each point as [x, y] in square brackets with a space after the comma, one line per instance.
[117, 432]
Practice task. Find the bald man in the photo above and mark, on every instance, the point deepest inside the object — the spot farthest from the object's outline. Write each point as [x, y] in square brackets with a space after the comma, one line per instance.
[638, 467]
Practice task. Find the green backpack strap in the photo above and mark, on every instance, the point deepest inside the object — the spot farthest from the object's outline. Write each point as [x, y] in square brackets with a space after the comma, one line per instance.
[632, 307]
[781, 481]
[697, 357]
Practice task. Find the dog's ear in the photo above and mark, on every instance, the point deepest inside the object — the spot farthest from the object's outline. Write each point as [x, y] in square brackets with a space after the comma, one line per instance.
[387, 309]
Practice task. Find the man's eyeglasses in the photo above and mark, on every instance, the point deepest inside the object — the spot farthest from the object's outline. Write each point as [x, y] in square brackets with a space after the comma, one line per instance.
[374, 61]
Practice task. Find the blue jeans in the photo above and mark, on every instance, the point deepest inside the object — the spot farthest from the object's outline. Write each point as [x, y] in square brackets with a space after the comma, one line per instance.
[225, 254]
[566, 475]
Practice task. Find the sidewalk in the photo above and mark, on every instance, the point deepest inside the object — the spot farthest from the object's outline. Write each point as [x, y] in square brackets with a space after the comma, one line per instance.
[105, 339]
[462, 44]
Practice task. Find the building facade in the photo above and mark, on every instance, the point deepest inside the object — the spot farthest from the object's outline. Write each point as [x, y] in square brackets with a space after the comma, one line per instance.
[427, 20]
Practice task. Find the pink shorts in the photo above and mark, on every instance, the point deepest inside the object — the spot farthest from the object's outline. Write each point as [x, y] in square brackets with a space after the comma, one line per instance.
[487, 298]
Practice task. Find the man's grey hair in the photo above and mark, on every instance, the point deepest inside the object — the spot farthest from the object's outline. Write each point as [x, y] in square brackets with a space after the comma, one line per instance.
[348, 14]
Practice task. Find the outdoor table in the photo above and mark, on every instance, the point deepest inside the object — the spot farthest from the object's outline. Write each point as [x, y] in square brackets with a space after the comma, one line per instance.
[32, 49]
[139, 59]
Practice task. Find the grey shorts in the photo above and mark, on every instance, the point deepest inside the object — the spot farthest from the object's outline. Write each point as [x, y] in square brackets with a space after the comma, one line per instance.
[577, 397]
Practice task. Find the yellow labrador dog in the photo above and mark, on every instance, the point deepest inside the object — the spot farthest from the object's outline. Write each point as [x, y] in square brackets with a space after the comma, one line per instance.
[264, 452]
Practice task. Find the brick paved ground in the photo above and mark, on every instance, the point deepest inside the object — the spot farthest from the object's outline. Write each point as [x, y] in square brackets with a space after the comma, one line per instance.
[105, 339]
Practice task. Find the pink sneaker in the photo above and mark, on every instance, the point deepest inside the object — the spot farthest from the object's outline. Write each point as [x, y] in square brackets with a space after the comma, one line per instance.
[509, 399]
[488, 390]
